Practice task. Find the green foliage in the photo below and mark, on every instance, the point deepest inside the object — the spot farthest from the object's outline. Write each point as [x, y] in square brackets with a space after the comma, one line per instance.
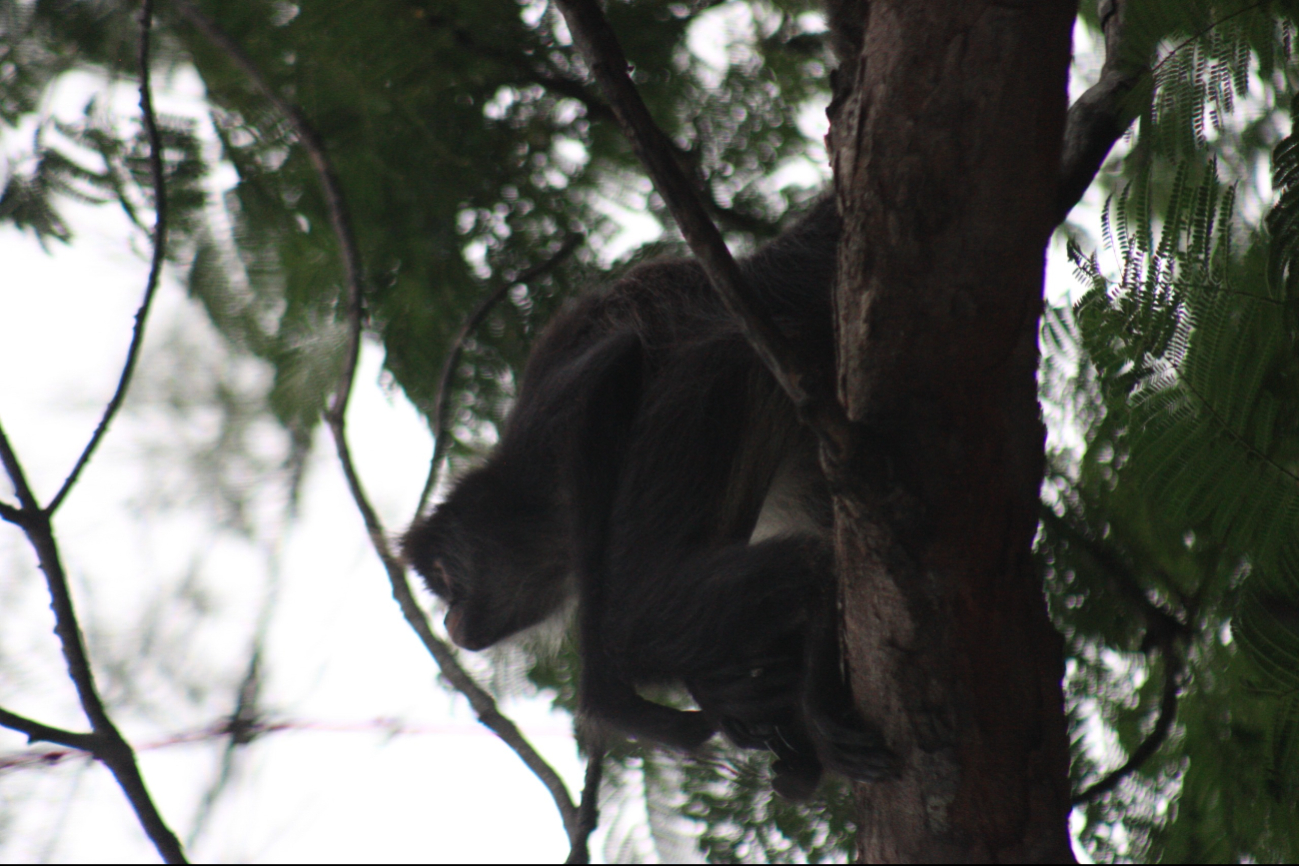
[1169, 543]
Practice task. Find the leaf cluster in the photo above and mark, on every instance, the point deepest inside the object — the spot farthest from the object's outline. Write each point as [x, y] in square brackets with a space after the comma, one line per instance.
[1168, 533]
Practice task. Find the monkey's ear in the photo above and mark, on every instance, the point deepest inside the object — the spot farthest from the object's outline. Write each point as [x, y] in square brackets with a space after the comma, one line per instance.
[421, 549]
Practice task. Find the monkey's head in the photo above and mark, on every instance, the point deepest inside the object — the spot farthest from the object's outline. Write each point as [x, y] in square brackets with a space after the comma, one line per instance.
[495, 555]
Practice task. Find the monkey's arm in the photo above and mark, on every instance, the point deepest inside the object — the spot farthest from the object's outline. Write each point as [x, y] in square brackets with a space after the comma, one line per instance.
[596, 467]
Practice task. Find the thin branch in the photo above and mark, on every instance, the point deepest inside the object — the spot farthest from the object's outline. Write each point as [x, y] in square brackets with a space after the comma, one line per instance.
[1099, 116]
[483, 703]
[1142, 753]
[810, 393]
[1163, 630]
[106, 743]
[588, 814]
[1104, 112]
[1158, 620]
[314, 146]
[18, 478]
[155, 266]
[470, 324]
[36, 732]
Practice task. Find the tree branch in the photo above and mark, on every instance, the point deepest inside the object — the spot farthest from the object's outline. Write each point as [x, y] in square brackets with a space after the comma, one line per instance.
[483, 703]
[467, 327]
[335, 416]
[155, 266]
[11, 514]
[106, 743]
[809, 391]
[1099, 116]
[1167, 713]
[1158, 621]
[588, 814]
[1163, 630]
[36, 732]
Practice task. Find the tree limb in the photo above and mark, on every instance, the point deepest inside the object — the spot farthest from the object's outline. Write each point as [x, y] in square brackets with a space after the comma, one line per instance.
[155, 266]
[335, 417]
[599, 46]
[588, 814]
[1163, 630]
[1167, 714]
[106, 743]
[1102, 114]
[11, 514]
[467, 327]
[1158, 620]
[37, 732]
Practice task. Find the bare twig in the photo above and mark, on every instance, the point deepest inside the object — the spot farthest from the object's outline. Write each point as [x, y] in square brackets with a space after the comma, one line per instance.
[1163, 631]
[155, 267]
[1159, 621]
[470, 324]
[588, 814]
[1142, 753]
[106, 743]
[808, 389]
[339, 219]
[1099, 116]
[37, 732]
[483, 703]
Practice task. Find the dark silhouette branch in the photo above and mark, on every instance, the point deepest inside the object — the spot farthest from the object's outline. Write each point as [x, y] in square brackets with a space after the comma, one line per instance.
[11, 514]
[38, 733]
[106, 743]
[588, 814]
[335, 417]
[1163, 632]
[442, 404]
[1100, 115]
[483, 703]
[1159, 621]
[599, 46]
[1163, 724]
[155, 267]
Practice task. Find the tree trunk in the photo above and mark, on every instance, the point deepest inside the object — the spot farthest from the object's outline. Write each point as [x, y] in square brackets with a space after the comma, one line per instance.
[945, 137]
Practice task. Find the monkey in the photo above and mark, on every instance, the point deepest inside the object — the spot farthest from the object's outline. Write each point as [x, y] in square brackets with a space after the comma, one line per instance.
[653, 467]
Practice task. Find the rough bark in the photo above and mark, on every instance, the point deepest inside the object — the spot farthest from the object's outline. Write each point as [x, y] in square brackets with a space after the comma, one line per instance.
[946, 140]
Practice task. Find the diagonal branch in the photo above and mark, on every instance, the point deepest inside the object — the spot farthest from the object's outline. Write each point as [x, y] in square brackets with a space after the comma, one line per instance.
[810, 393]
[1163, 631]
[106, 743]
[335, 417]
[588, 813]
[1163, 724]
[1158, 620]
[470, 324]
[1100, 115]
[155, 266]
[37, 732]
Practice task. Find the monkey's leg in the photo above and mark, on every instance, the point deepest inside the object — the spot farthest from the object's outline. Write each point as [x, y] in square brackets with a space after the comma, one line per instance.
[607, 413]
[730, 623]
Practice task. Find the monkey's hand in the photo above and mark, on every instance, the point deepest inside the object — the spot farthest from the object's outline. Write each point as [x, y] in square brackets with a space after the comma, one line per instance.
[851, 746]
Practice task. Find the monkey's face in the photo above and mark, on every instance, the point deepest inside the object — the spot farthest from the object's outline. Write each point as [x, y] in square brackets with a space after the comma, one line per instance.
[498, 564]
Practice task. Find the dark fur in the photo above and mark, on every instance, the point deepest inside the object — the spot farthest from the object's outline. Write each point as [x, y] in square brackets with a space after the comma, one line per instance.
[646, 439]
